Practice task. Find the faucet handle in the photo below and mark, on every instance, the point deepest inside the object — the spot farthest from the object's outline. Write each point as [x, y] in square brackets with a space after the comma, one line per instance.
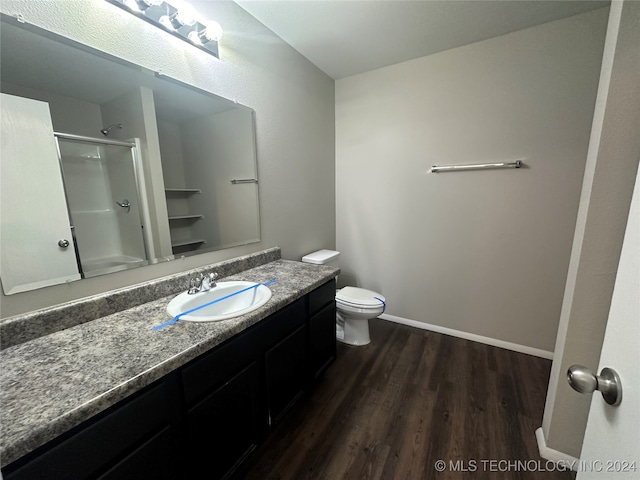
[195, 283]
[212, 278]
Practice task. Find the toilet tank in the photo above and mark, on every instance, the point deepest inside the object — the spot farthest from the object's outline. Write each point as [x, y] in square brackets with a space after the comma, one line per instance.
[323, 257]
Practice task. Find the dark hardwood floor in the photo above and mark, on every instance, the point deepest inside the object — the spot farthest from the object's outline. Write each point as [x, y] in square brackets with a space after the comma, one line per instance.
[392, 409]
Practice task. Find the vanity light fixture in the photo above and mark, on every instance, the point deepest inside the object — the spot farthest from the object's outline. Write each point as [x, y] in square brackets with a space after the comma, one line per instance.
[177, 18]
[211, 33]
[141, 5]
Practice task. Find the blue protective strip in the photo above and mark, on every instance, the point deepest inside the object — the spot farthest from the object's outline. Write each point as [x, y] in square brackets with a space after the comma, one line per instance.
[384, 304]
[177, 317]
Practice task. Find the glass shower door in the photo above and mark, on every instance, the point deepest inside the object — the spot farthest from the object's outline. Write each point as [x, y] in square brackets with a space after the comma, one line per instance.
[103, 201]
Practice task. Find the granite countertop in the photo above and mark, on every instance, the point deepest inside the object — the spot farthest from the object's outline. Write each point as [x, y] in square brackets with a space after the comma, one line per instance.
[51, 384]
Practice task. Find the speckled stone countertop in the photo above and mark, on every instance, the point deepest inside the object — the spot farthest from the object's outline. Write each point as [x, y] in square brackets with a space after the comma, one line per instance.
[52, 383]
[25, 327]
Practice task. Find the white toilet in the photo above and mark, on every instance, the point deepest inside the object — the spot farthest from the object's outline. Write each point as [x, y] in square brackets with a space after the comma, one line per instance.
[355, 306]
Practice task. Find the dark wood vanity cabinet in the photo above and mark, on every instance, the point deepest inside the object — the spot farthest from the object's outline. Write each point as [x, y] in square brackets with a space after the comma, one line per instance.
[133, 439]
[205, 419]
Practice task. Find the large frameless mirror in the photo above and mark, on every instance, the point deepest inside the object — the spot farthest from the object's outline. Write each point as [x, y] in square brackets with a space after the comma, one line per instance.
[107, 166]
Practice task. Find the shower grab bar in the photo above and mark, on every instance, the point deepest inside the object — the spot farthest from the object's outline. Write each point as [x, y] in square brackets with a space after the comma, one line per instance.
[244, 180]
[477, 166]
[103, 141]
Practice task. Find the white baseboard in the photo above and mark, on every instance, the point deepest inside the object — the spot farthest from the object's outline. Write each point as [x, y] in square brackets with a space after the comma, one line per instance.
[536, 352]
[554, 455]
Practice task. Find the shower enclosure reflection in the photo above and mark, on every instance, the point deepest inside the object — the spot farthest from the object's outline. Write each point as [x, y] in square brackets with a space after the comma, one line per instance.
[101, 185]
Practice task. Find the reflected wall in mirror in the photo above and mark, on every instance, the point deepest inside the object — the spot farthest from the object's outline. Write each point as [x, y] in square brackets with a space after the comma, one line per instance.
[128, 166]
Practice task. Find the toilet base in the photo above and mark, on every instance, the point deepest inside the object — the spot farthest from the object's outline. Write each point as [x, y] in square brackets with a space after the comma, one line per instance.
[357, 344]
[353, 332]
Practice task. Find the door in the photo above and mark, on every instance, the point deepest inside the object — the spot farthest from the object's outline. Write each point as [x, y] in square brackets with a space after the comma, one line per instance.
[36, 240]
[611, 448]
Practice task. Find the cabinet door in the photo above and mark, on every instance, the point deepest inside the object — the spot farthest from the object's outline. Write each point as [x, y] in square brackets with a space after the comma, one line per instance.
[322, 334]
[224, 428]
[286, 367]
[32, 205]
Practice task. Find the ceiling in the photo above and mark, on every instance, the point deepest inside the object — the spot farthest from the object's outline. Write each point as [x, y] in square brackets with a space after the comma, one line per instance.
[347, 37]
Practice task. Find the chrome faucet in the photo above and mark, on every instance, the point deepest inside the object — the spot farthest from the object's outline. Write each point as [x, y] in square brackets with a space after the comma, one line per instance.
[202, 283]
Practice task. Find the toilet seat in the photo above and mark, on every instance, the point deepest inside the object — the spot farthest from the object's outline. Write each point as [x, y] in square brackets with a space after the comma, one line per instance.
[360, 298]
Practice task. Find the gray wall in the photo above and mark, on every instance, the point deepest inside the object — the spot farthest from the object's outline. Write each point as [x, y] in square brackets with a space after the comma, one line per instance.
[294, 103]
[485, 253]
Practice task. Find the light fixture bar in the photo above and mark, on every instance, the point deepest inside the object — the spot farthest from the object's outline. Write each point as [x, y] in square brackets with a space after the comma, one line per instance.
[180, 21]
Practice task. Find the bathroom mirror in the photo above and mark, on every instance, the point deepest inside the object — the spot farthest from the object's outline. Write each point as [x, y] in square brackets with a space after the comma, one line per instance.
[151, 169]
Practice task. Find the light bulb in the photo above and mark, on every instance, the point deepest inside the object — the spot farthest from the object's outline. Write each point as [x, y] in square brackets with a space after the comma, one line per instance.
[212, 32]
[185, 16]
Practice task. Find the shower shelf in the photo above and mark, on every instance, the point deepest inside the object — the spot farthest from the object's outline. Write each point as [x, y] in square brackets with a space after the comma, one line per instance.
[183, 243]
[185, 191]
[179, 207]
[186, 217]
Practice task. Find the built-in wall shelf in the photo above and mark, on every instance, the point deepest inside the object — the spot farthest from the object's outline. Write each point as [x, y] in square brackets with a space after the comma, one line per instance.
[183, 218]
[185, 191]
[186, 217]
[184, 243]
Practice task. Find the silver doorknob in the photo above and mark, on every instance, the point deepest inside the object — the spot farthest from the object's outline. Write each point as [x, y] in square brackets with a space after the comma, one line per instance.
[608, 383]
[64, 243]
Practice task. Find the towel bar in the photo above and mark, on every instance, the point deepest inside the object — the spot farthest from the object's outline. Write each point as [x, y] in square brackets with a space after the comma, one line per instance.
[478, 166]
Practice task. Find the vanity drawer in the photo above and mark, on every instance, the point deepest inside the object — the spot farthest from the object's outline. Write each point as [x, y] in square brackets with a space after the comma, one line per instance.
[223, 362]
[214, 368]
[281, 324]
[322, 296]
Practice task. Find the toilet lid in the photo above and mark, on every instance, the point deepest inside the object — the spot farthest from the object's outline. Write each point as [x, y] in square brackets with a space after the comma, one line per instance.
[359, 297]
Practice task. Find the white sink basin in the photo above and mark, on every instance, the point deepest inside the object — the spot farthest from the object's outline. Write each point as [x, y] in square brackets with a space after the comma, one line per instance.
[231, 307]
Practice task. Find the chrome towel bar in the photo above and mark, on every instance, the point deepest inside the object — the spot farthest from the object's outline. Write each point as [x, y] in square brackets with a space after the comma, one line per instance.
[244, 180]
[478, 166]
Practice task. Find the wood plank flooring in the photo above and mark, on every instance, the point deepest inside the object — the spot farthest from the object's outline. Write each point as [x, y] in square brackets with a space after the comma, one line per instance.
[390, 410]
